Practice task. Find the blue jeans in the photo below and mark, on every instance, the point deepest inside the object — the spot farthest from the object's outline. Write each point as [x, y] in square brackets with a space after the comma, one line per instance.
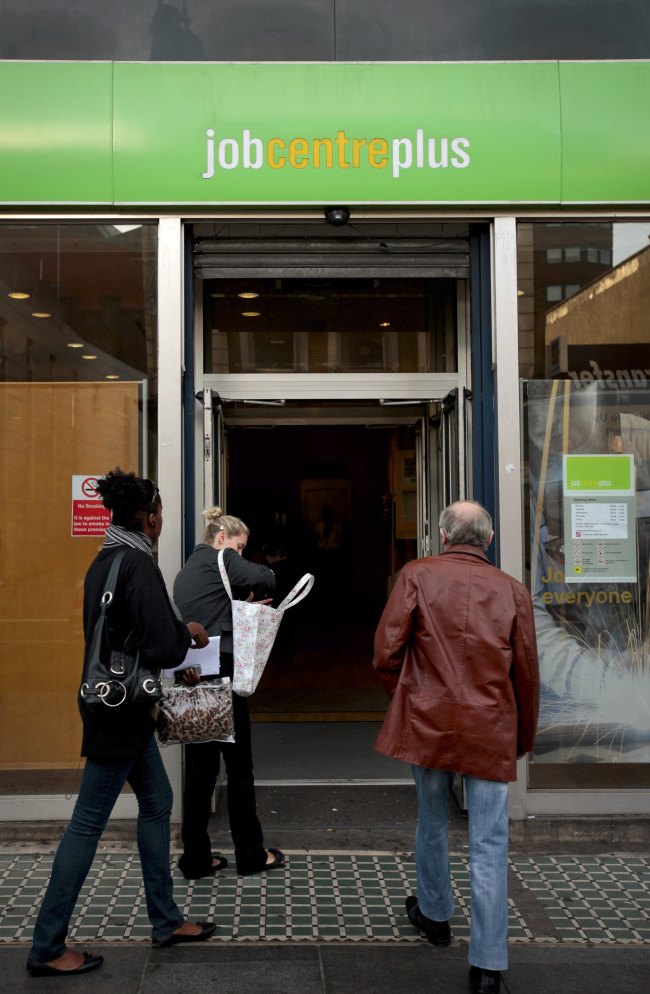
[487, 808]
[101, 784]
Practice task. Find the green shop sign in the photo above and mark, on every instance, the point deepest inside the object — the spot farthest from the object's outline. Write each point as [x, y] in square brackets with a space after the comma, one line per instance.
[319, 134]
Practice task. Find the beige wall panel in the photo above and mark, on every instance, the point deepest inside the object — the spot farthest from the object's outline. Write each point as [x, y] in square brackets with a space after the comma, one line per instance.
[50, 432]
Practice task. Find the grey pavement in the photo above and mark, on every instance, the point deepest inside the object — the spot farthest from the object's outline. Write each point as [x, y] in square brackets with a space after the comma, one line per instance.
[342, 968]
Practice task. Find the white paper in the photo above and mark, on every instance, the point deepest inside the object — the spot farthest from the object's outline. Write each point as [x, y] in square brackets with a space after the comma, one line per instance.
[601, 520]
[206, 659]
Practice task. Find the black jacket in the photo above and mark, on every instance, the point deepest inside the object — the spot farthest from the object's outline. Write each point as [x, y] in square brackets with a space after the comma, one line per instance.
[199, 593]
[141, 604]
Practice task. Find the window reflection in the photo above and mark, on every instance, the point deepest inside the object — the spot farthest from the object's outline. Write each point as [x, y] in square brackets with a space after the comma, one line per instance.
[77, 397]
[586, 357]
[93, 286]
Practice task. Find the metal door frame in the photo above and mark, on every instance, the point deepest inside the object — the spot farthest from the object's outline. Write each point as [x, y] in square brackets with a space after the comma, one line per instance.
[318, 387]
[390, 388]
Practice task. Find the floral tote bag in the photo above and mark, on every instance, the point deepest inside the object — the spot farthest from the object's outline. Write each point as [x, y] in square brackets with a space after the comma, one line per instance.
[254, 627]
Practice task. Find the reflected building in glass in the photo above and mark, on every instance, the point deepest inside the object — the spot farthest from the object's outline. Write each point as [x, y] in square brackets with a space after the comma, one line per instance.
[590, 587]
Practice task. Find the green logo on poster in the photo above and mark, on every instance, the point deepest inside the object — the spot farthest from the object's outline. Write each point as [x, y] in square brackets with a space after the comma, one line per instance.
[603, 473]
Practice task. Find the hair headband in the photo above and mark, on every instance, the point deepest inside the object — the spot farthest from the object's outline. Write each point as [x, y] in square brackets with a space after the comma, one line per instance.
[156, 493]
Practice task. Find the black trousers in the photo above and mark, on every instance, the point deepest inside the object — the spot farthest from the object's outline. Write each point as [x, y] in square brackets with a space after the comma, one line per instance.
[201, 769]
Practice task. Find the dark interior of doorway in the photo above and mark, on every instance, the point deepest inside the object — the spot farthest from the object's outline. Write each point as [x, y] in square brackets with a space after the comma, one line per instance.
[318, 499]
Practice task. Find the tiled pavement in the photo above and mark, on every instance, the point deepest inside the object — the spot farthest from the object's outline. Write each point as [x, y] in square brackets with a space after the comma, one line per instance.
[347, 896]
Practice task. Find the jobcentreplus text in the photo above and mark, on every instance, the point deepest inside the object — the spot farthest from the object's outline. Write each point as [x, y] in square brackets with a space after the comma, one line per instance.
[340, 152]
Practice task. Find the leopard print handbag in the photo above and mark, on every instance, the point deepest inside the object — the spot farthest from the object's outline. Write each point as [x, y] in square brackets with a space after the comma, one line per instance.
[200, 713]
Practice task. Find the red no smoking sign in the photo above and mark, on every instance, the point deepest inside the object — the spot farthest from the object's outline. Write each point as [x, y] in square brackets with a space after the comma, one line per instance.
[89, 516]
[89, 486]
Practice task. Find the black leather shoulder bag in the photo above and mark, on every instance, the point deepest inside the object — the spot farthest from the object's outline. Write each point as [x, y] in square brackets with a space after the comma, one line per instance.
[115, 677]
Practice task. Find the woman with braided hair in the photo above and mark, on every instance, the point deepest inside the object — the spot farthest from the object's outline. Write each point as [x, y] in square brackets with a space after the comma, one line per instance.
[119, 747]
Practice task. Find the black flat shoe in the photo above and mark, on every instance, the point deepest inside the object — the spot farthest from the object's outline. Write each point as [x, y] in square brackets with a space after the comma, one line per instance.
[191, 874]
[90, 962]
[207, 929]
[276, 863]
[438, 933]
[484, 981]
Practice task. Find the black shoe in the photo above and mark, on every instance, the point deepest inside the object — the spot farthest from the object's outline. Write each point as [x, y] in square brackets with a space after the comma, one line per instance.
[484, 981]
[90, 962]
[207, 929]
[278, 861]
[438, 933]
[191, 873]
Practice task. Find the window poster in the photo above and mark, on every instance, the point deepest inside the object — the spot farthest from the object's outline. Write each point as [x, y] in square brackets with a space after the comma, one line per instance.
[599, 518]
[588, 519]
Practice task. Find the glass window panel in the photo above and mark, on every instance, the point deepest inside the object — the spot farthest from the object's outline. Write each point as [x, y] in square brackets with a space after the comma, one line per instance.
[570, 289]
[572, 255]
[553, 293]
[586, 366]
[330, 325]
[554, 255]
[77, 397]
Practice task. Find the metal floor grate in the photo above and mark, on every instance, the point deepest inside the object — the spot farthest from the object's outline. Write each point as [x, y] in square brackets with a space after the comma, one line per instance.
[335, 896]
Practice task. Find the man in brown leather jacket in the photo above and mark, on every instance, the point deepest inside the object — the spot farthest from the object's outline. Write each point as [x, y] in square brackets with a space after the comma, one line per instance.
[455, 648]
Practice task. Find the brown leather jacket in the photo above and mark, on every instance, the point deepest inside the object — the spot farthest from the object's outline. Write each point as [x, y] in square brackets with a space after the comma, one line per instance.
[456, 650]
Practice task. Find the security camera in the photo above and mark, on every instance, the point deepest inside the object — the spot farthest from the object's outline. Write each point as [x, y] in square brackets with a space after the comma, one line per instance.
[337, 216]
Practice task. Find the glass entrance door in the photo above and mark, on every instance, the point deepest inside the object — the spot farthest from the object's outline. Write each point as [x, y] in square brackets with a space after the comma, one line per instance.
[349, 492]
[329, 423]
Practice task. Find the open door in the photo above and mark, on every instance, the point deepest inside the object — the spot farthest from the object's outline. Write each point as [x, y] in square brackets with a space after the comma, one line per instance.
[441, 469]
[450, 449]
[423, 453]
[214, 451]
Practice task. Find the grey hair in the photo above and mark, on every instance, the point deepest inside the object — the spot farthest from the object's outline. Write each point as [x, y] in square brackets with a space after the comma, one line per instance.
[466, 522]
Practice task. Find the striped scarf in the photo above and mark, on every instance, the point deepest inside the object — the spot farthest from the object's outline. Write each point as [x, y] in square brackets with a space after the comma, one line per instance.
[116, 535]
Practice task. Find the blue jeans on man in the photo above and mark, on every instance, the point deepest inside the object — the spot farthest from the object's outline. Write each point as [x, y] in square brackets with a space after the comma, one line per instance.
[487, 808]
[101, 784]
